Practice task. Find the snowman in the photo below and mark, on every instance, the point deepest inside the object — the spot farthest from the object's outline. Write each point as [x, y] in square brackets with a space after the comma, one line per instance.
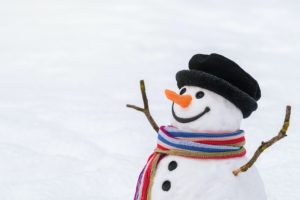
[196, 154]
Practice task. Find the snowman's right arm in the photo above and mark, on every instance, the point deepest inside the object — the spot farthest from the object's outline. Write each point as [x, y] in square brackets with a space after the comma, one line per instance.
[145, 110]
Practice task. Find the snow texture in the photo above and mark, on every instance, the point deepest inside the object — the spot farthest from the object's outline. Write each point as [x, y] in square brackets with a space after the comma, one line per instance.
[206, 179]
[67, 69]
[222, 117]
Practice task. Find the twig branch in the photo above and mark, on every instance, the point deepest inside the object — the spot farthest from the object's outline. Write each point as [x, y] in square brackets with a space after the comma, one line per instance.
[265, 145]
[145, 110]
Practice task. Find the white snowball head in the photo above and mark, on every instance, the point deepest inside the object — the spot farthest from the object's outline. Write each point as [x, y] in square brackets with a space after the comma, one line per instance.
[204, 111]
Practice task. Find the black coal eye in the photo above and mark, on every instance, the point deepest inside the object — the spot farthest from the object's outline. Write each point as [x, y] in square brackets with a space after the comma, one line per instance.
[199, 95]
[182, 91]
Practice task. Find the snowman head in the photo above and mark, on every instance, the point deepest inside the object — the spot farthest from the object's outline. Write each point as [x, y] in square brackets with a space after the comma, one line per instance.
[214, 95]
[201, 110]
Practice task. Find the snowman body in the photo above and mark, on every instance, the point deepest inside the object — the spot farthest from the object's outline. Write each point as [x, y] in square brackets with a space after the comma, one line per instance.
[196, 179]
[183, 178]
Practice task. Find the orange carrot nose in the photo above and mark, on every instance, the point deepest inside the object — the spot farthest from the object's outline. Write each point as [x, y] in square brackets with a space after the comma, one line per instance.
[182, 100]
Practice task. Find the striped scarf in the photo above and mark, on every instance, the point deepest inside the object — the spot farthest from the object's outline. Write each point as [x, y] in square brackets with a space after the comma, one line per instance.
[172, 141]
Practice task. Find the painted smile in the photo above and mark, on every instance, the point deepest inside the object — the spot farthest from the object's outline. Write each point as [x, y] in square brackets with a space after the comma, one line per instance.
[190, 119]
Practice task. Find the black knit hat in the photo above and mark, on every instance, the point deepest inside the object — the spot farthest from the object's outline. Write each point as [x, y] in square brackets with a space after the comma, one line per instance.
[224, 77]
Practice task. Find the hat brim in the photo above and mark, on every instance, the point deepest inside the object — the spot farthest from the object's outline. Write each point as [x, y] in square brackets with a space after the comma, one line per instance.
[240, 99]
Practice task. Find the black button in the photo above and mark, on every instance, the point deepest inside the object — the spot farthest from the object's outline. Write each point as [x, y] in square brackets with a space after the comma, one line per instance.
[166, 186]
[172, 165]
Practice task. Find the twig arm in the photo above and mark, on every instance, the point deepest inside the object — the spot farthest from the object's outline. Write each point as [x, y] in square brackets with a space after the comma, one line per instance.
[135, 107]
[265, 145]
[145, 110]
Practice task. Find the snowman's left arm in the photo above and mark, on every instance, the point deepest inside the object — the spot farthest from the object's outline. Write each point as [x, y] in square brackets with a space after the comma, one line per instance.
[265, 145]
[145, 110]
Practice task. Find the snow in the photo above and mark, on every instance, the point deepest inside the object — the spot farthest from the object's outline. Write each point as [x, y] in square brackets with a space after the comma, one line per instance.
[208, 179]
[67, 69]
[214, 113]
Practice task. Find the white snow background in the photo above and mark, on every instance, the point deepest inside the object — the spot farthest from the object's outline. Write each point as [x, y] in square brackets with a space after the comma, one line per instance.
[67, 69]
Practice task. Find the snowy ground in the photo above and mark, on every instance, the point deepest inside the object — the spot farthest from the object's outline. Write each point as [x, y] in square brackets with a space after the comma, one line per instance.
[67, 69]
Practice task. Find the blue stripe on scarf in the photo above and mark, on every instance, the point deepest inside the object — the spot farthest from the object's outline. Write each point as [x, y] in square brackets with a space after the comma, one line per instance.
[139, 184]
[207, 135]
[186, 146]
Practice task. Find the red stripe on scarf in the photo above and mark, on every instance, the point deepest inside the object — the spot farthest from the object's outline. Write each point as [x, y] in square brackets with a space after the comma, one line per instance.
[161, 147]
[222, 142]
[147, 177]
